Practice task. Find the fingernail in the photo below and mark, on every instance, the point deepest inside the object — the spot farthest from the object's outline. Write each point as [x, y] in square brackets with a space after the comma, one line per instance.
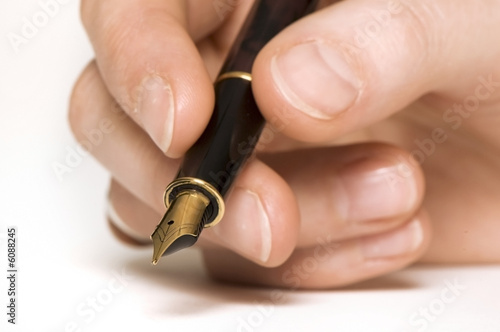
[316, 79]
[156, 110]
[374, 190]
[245, 227]
[395, 243]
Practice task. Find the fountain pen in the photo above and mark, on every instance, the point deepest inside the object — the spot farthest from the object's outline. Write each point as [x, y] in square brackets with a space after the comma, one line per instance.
[195, 199]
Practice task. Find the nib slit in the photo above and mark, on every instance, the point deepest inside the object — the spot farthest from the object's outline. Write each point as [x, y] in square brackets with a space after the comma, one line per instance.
[181, 225]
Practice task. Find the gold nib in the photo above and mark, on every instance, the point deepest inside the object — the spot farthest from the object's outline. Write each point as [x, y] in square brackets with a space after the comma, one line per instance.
[181, 225]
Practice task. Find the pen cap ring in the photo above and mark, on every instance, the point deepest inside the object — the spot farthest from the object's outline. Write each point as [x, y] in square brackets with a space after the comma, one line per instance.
[234, 74]
[215, 209]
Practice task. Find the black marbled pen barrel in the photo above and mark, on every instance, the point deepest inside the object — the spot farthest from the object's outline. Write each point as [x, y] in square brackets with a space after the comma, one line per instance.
[195, 199]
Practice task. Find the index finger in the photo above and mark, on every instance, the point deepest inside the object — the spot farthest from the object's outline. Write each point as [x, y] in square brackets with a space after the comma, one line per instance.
[150, 64]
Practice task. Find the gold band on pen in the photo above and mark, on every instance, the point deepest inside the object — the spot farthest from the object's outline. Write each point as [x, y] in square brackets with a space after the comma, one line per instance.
[187, 183]
[235, 74]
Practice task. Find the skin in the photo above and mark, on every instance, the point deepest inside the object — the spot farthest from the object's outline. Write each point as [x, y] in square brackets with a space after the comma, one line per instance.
[397, 162]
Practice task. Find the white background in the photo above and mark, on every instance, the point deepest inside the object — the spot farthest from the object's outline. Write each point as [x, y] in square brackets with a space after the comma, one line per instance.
[67, 257]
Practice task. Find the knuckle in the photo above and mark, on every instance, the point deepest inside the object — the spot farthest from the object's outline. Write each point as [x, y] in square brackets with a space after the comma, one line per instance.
[412, 33]
[111, 25]
[420, 29]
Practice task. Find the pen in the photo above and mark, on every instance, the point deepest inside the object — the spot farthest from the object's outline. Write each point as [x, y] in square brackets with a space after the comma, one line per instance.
[195, 199]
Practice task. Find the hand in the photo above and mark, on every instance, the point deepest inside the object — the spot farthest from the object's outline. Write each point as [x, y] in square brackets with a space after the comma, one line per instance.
[322, 205]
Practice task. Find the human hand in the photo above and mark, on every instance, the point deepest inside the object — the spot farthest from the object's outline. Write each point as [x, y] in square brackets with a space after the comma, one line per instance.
[322, 206]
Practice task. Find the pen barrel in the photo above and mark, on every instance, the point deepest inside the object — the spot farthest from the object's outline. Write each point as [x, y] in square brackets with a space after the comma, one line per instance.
[229, 139]
[266, 19]
[195, 199]
[236, 122]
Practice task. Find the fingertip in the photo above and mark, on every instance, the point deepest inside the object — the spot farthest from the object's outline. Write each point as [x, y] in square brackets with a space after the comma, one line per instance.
[407, 242]
[152, 67]
[305, 80]
[281, 207]
[330, 265]
[261, 222]
[173, 99]
[331, 85]
[175, 114]
[383, 183]
[425, 223]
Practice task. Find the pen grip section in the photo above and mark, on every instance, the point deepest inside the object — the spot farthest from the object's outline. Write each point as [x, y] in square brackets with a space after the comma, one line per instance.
[230, 137]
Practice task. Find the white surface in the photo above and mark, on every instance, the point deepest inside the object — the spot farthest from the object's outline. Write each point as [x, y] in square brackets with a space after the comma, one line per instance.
[67, 256]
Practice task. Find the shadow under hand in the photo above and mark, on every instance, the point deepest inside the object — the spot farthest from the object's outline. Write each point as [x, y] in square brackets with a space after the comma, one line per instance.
[184, 273]
[181, 283]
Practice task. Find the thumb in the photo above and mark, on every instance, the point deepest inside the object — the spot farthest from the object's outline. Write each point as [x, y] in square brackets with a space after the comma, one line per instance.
[356, 62]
